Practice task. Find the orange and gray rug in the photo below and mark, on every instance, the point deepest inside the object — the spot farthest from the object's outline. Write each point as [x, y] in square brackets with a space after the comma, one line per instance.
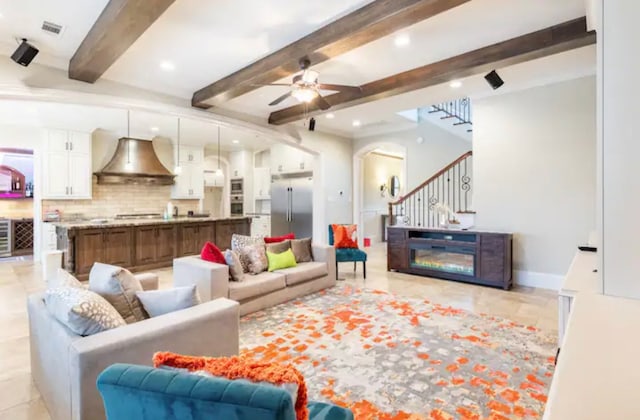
[388, 357]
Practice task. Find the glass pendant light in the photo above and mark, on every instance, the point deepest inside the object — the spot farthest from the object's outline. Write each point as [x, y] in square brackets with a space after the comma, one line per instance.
[178, 169]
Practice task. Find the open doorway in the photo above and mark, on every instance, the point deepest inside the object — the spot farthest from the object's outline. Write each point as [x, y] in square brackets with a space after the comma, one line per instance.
[16, 203]
[380, 177]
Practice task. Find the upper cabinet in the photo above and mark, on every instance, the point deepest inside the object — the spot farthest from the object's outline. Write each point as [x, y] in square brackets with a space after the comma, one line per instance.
[262, 183]
[286, 159]
[66, 165]
[189, 183]
[240, 164]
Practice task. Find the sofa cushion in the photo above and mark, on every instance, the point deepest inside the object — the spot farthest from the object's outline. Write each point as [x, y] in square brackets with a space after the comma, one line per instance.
[210, 252]
[256, 257]
[254, 286]
[236, 272]
[160, 302]
[63, 279]
[304, 272]
[350, 254]
[118, 286]
[302, 250]
[278, 247]
[276, 239]
[240, 241]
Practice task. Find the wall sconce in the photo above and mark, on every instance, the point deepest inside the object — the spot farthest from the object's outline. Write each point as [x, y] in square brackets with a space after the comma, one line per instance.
[383, 190]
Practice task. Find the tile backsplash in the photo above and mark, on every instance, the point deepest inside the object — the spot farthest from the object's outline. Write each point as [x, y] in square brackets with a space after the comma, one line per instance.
[15, 209]
[109, 200]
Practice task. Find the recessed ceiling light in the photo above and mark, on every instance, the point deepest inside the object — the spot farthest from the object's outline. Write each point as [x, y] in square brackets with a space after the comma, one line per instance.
[235, 141]
[331, 116]
[356, 123]
[167, 66]
[154, 129]
[455, 84]
[402, 40]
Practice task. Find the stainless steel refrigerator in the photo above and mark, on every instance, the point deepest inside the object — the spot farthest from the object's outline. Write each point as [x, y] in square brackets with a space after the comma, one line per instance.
[292, 204]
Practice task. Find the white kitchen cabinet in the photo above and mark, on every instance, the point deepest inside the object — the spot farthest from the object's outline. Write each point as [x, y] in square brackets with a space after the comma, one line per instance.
[49, 237]
[261, 226]
[262, 183]
[66, 165]
[240, 163]
[191, 155]
[189, 184]
[211, 179]
[286, 159]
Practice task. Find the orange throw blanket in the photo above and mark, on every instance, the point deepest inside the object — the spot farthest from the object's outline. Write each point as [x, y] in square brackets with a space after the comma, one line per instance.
[237, 367]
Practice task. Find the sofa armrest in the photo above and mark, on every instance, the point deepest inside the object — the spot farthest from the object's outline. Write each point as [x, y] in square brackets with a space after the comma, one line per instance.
[325, 253]
[149, 281]
[211, 279]
[208, 329]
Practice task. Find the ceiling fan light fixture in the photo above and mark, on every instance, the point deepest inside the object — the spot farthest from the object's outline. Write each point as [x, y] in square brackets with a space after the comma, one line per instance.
[304, 93]
[310, 76]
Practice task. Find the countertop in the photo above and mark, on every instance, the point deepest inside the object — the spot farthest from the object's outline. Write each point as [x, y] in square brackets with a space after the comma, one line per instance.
[89, 224]
[581, 277]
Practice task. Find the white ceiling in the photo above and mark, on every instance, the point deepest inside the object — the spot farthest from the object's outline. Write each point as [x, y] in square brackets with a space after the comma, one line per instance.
[207, 40]
[143, 125]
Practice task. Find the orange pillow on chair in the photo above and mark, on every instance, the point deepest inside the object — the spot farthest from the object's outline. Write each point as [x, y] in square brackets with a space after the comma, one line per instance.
[345, 236]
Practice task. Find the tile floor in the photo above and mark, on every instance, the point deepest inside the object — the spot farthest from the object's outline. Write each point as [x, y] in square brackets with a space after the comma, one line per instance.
[19, 399]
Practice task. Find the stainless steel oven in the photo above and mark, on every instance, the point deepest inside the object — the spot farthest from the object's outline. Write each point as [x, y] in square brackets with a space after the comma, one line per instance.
[237, 205]
[237, 186]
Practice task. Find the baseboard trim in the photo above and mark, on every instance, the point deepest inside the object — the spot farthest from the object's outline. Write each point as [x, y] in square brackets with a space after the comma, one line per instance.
[540, 280]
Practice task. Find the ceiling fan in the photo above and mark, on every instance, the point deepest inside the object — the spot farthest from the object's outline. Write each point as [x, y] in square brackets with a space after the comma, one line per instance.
[306, 89]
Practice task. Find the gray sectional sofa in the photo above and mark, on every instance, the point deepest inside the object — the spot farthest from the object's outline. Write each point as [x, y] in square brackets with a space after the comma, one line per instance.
[259, 291]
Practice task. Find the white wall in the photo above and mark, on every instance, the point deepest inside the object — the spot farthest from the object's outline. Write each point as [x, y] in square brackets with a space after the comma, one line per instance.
[535, 174]
[423, 160]
[377, 170]
[619, 64]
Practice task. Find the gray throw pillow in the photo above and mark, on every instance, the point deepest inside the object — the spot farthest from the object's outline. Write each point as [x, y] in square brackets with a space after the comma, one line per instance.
[236, 272]
[118, 286]
[82, 311]
[160, 302]
[302, 250]
[63, 278]
[241, 241]
[278, 247]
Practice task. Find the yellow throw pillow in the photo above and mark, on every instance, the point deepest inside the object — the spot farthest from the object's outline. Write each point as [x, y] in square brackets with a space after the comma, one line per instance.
[285, 259]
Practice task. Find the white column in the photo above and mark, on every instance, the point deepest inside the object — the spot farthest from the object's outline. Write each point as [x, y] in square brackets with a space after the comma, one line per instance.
[619, 74]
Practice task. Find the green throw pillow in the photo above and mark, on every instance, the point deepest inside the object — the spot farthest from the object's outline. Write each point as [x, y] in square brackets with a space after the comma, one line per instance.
[285, 259]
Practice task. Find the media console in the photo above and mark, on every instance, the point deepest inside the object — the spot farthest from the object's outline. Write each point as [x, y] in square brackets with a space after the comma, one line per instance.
[469, 256]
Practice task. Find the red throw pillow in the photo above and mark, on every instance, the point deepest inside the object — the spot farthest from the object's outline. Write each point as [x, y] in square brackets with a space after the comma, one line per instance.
[345, 236]
[212, 253]
[282, 238]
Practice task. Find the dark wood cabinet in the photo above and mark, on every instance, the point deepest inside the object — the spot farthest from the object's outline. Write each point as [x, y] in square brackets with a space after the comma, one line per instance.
[473, 257]
[142, 247]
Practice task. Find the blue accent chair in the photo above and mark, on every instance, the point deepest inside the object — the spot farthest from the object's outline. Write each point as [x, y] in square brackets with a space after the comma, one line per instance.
[145, 393]
[348, 255]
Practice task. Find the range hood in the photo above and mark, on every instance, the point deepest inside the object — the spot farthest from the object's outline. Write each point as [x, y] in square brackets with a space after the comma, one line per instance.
[135, 162]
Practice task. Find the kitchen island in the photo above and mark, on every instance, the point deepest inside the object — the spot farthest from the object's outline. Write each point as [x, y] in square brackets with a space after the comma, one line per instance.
[141, 244]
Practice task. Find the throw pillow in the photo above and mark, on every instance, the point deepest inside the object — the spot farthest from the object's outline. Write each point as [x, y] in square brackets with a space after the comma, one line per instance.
[63, 278]
[240, 241]
[256, 257]
[345, 236]
[285, 259]
[238, 367]
[82, 311]
[160, 302]
[212, 253]
[276, 239]
[236, 272]
[302, 250]
[278, 247]
[118, 286]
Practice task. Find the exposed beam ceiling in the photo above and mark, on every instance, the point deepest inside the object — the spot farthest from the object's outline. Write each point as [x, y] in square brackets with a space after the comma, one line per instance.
[555, 39]
[120, 24]
[370, 22]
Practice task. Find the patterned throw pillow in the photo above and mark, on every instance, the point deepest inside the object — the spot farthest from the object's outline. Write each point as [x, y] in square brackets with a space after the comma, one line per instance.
[256, 257]
[63, 278]
[240, 241]
[82, 311]
[345, 236]
[118, 286]
[236, 272]
[302, 250]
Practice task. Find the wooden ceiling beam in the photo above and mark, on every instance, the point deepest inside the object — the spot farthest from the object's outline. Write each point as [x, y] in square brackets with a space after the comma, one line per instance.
[119, 25]
[372, 21]
[555, 39]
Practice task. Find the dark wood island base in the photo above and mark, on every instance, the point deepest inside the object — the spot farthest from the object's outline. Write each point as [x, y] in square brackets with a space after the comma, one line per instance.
[469, 256]
[142, 245]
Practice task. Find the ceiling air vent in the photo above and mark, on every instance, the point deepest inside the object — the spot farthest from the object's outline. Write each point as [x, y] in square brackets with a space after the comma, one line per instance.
[52, 28]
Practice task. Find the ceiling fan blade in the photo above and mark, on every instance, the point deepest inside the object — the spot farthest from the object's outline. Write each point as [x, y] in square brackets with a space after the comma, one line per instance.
[322, 103]
[271, 84]
[280, 99]
[339, 88]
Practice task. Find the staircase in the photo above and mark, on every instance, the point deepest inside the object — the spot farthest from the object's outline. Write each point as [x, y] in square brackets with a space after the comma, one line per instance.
[453, 116]
[444, 197]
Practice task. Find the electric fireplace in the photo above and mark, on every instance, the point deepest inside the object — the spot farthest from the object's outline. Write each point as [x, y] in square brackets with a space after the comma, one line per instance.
[448, 259]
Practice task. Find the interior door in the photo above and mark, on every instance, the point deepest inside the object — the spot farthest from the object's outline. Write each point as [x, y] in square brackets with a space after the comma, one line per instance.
[280, 207]
[301, 217]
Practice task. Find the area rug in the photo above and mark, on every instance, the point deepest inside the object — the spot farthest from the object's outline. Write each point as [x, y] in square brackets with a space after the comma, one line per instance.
[387, 357]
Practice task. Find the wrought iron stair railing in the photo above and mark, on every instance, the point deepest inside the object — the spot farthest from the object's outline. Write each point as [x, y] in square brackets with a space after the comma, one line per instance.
[458, 110]
[450, 187]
